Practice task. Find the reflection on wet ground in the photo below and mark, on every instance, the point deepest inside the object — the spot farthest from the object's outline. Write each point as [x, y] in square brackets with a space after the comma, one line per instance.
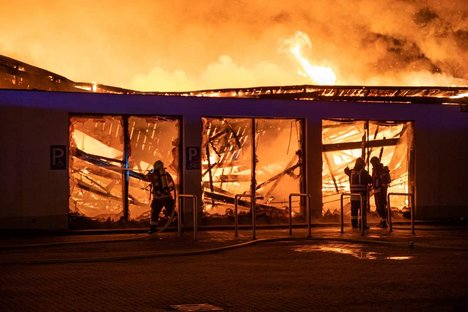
[355, 250]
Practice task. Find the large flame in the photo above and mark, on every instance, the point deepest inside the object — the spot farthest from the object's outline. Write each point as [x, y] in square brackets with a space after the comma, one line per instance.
[318, 74]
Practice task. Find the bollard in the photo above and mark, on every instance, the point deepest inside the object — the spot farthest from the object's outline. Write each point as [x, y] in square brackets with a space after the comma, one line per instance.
[389, 212]
[236, 215]
[309, 228]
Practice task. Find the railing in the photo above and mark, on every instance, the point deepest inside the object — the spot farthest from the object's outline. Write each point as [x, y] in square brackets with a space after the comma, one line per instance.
[236, 214]
[181, 213]
[361, 213]
[389, 211]
[307, 211]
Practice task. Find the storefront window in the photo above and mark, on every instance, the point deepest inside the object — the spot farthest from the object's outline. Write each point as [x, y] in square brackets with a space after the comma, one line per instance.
[102, 169]
[345, 140]
[227, 155]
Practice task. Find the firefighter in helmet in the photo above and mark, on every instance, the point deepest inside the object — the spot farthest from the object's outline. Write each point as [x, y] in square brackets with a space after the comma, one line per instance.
[160, 192]
[359, 180]
[380, 181]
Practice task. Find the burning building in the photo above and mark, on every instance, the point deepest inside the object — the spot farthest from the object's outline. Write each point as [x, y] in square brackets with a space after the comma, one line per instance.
[76, 156]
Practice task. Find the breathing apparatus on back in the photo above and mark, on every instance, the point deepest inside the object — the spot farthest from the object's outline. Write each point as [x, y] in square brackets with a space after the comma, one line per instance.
[160, 184]
[160, 172]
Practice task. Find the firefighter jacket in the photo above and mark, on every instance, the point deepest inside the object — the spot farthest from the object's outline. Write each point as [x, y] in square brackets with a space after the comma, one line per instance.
[159, 184]
[359, 180]
[380, 178]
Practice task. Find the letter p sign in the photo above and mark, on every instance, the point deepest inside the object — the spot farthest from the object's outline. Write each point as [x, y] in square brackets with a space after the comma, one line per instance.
[193, 157]
[58, 157]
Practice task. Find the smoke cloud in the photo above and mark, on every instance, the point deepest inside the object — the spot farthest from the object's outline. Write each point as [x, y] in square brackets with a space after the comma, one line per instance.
[190, 45]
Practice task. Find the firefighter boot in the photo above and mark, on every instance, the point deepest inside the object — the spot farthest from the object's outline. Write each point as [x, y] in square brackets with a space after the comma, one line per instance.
[383, 224]
[152, 229]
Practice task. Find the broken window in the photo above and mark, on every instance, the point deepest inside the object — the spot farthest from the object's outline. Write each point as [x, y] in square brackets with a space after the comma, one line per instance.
[96, 149]
[345, 140]
[151, 139]
[106, 174]
[227, 166]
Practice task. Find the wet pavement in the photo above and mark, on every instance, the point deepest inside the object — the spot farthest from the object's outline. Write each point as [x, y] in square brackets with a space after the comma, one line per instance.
[328, 271]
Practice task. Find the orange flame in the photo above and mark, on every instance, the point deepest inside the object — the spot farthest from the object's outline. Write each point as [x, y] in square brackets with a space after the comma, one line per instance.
[318, 74]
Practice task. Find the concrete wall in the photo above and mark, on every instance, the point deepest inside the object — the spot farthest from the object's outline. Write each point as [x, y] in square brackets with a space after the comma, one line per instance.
[34, 196]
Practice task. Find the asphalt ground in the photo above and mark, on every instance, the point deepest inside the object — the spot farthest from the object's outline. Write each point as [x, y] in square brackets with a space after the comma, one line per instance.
[329, 271]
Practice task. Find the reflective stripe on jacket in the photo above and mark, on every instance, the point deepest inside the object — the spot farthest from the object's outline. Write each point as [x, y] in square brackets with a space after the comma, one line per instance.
[359, 181]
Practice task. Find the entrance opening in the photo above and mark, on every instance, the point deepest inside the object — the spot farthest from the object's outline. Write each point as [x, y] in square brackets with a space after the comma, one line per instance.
[344, 140]
[227, 154]
[109, 156]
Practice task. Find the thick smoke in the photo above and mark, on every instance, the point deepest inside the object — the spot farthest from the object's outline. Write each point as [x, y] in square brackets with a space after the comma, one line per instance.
[185, 45]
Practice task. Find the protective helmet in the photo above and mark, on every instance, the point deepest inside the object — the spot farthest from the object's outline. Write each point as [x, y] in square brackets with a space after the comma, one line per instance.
[375, 160]
[360, 162]
[158, 165]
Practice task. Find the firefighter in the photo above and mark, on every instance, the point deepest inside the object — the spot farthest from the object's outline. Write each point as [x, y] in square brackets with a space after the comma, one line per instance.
[160, 192]
[380, 181]
[359, 180]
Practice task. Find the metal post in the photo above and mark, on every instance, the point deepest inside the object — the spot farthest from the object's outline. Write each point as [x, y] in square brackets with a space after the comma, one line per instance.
[236, 214]
[253, 181]
[389, 214]
[179, 219]
[125, 171]
[254, 217]
[195, 214]
[342, 212]
[360, 210]
[410, 195]
[412, 213]
[307, 210]
[290, 215]
[309, 220]
[363, 213]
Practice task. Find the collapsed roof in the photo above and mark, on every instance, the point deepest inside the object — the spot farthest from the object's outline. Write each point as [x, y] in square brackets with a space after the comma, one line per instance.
[15, 74]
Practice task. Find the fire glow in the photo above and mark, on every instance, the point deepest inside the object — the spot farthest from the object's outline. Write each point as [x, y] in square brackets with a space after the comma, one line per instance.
[234, 44]
[318, 74]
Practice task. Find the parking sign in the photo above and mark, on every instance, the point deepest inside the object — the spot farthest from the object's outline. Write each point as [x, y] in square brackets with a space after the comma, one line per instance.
[193, 157]
[58, 157]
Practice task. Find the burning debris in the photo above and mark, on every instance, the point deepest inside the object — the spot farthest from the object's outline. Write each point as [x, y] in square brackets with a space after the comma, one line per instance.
[108, 152]
[226, 167]
[18, 75]
[345, 140]
[101, 164]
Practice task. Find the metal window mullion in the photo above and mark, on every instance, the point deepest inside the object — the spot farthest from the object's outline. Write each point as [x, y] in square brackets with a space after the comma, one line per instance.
[125, 171]
[253, 182]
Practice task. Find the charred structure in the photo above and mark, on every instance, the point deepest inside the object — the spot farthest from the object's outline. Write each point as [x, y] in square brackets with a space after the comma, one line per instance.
[217, 144]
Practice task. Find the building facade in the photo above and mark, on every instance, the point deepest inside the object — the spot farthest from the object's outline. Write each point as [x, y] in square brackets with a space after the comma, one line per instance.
[71, 160]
